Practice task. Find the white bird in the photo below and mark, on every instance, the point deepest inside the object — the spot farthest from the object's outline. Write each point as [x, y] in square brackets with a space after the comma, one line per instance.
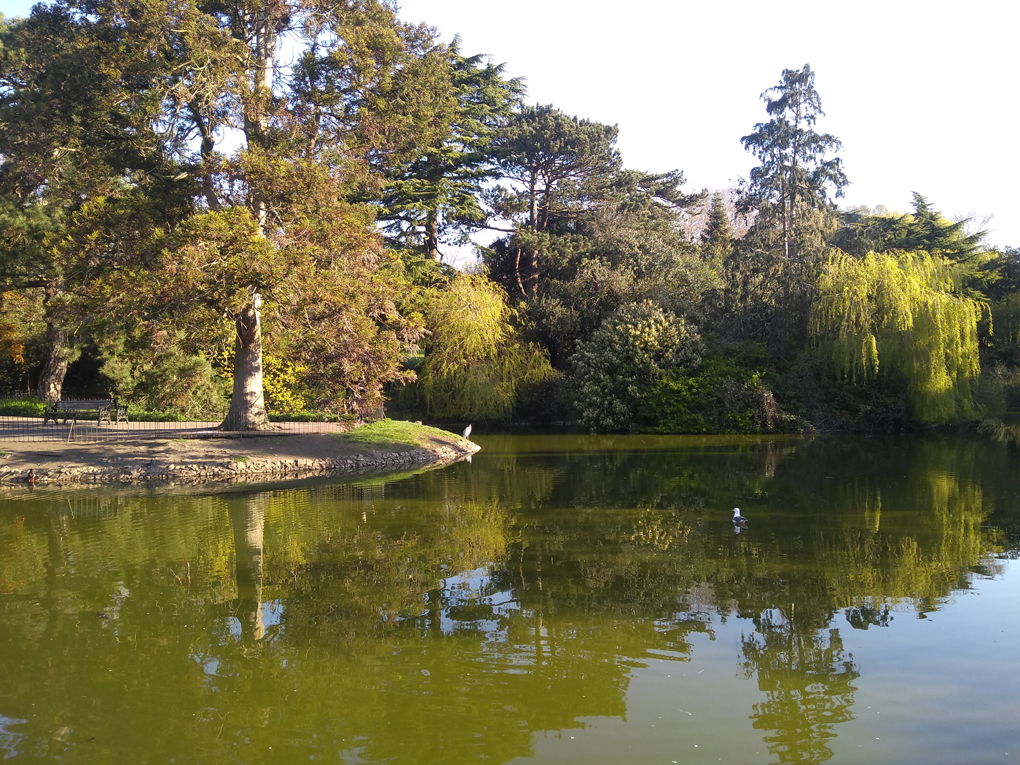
[737, 517]
[467, 431]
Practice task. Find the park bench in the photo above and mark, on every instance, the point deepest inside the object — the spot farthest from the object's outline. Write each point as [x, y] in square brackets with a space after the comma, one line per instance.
[101, 407]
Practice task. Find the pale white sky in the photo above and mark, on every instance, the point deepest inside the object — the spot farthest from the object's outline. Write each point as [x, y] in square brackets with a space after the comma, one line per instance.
[923, 95]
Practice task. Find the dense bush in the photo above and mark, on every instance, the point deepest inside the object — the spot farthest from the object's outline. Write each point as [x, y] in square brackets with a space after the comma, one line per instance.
[726, 394]
[632, 349]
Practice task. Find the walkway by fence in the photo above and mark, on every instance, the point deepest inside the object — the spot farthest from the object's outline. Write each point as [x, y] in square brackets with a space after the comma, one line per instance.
[14, 428]
[86, 429]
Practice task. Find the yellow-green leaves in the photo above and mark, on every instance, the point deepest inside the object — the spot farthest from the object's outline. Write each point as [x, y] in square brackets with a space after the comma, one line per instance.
[476, 362]
[896, 312]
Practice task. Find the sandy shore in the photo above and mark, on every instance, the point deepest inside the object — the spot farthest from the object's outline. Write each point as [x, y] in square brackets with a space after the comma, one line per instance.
[216, 460]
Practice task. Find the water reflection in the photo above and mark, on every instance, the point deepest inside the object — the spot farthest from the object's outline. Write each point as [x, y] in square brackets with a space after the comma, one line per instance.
[456, 614]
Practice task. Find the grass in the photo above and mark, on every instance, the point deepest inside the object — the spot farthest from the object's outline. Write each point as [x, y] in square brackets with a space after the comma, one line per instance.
[22, 408]
[239, 459]
[383, 432]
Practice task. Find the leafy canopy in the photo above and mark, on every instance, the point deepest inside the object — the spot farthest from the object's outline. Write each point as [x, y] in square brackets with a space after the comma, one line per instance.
[898, 313]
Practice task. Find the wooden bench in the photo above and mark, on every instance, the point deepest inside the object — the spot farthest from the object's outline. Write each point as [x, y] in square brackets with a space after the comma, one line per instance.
[101, 407]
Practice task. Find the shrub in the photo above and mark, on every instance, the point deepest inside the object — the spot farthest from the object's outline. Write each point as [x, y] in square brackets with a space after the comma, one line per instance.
[632, 349]
[720, 397]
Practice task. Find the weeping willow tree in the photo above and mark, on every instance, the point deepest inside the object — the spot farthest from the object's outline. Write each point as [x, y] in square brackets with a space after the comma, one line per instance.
[476, 363]
[899, 309]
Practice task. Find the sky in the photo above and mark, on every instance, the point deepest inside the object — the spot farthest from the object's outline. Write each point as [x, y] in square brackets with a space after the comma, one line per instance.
[924, 95]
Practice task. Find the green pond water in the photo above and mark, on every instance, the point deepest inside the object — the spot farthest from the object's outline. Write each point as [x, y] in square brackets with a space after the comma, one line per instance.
[559, 599]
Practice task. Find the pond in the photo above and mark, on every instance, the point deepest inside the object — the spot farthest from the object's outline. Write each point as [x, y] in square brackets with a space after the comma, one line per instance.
[558, 599]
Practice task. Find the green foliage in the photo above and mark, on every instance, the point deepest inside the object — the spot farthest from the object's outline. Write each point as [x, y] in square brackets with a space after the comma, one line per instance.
[717, 238]
[158, 226]
[632, 349]
[559, 160]
[726, 394]
[795, 174]
[559, 165]
[155, 374]
[900, 309]
[567, 311]
[440, 192]
[975, 269]
[476, 363]
[22, 407]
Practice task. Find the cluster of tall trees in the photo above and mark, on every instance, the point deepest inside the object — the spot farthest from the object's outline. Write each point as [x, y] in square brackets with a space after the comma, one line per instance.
[249, 201]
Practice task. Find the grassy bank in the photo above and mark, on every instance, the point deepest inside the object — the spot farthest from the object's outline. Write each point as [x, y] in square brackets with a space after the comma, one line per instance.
[387, 432]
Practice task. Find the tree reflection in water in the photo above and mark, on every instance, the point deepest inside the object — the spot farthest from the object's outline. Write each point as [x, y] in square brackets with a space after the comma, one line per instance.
[457, 614]
[807, 679]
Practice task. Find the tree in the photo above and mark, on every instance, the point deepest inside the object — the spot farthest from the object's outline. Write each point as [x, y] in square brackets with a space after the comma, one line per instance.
[364, 92]
[898, 312]
[442, 189]
[556, 163]
[629, 352]
[476, 362]
[274, 230]
[77, 112]
[628, 245]
[794, 174]
[717, 238]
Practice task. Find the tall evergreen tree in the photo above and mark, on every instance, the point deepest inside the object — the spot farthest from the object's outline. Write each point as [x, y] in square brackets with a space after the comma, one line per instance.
[556, 163]
[441, 190]
[717, 237]
[796, 173]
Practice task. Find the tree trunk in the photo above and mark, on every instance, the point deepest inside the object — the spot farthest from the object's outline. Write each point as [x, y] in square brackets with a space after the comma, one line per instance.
[59, 352]
[432, 236]
[531, 273]
[247, 403]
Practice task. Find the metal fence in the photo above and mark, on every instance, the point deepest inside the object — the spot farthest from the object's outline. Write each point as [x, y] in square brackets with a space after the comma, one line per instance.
[22, 418]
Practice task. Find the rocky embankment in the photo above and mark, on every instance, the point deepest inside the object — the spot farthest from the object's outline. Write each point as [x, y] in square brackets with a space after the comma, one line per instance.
[219, 460]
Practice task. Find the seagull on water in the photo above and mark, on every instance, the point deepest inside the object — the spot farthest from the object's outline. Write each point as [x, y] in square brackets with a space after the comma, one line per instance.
[737, 517]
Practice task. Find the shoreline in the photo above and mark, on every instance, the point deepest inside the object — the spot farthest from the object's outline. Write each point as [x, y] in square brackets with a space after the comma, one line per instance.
[219, 460]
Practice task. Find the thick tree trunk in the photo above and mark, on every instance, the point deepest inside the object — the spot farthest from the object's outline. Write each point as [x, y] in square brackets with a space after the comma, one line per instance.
[58, 352]
[247, 403]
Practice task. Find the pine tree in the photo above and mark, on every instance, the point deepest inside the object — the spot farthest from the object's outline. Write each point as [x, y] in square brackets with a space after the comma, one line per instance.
[557, 163]
[795, 174]
[717, 238]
